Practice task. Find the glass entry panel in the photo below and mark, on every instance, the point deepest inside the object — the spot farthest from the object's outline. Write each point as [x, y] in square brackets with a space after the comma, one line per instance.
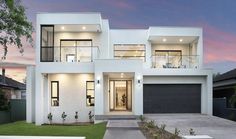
[120, 95]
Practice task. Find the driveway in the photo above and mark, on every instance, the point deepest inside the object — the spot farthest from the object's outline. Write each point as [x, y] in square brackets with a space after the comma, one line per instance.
[202, 124]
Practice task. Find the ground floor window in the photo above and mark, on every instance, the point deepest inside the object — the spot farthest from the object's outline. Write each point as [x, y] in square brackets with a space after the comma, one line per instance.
[90, 93]
[55, 93]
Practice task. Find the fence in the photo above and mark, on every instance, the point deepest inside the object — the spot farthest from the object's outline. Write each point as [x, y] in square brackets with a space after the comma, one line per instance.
[220, 109]
[17, 111]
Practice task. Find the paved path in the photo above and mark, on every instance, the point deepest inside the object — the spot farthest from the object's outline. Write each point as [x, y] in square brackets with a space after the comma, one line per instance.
[123, 129]
[215, 127]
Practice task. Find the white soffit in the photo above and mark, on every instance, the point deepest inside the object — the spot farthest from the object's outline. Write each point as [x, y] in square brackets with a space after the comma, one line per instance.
[172, 39]
[78, 28]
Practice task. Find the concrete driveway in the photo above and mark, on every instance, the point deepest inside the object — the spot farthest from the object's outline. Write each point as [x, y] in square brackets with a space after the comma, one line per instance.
[202, 124]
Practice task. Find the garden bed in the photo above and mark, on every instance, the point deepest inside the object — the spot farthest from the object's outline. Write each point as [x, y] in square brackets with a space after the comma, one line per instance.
[151, 131]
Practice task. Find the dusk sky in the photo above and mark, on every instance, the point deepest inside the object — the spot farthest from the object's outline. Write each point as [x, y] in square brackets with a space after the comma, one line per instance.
[216, 17]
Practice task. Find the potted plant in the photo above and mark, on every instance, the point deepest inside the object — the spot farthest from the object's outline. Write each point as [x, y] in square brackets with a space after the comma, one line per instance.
[90, 116]
[76, 117]
[50, 118]
[63, 116]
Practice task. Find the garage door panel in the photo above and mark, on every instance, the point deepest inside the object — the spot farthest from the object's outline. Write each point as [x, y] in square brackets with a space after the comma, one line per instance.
[172, 98]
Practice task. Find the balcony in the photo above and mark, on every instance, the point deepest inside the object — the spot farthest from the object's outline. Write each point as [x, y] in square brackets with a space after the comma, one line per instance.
[175, 62]
[69, 53]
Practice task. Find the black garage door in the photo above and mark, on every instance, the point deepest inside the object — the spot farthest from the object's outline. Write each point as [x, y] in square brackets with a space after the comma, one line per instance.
[172, 98]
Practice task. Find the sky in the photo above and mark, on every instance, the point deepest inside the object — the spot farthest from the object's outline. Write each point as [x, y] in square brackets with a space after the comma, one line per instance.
[216, 17]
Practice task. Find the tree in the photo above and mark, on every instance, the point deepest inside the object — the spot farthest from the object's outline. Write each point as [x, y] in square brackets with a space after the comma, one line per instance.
[13, 25]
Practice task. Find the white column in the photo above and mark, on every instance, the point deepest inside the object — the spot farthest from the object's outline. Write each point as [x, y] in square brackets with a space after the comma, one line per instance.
[39, 98]
[30, 91]
[138, 94]
[209, 94]
[99, 98]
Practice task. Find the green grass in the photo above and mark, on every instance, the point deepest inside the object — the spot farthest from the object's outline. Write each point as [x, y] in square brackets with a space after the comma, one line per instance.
[25, 129]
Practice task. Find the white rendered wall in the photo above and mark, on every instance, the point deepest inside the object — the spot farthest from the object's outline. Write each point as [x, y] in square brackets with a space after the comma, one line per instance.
[30, 94]
[117, 66]
[72, 97]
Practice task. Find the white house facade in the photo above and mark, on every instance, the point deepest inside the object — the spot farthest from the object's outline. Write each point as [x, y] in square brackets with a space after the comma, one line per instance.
[82, 65]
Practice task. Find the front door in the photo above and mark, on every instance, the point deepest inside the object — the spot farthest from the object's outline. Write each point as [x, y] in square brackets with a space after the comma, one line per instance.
[120, 95]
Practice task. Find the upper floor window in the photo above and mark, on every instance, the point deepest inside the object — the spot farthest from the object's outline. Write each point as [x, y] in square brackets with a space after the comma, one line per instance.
[130, 51]
[47, 43]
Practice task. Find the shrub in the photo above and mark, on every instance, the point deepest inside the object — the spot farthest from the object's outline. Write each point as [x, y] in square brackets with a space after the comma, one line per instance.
[63, 116]
[90, 116]
[192, 132]
[151, 124]
[76, 116]
[142, 118]
[162, 127]
[50, 117]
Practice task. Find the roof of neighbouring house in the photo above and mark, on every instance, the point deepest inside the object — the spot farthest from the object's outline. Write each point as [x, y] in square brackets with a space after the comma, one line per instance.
[226, 76]
[12, 83]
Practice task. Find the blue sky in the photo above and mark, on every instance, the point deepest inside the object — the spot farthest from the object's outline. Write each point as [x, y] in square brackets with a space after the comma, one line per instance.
[216, 17]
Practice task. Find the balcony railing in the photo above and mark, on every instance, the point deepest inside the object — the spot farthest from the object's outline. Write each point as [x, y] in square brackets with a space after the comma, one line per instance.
[175, 62]
[69, 53]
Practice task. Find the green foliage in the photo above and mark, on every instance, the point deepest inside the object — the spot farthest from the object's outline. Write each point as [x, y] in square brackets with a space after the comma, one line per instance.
[90, 116]
[232, 99]
[176, 134]
[151, 124]
[94, 131]
[4, 102]
[63, 116]
[142, 118]
[192, 132]
[162, 128]
[50, 117]
[13, 25]
[76, 116]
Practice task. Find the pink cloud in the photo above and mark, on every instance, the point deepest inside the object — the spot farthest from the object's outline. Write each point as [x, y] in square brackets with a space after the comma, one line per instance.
[219, 45]
[120, 4]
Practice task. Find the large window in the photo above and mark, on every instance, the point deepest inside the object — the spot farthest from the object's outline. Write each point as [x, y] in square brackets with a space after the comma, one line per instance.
[55, 93]
[168, 58]
[129, 51]
[76, 50]
[47, 43]
[90, 93]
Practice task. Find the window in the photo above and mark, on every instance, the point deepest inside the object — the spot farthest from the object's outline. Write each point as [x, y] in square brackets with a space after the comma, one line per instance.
[80, 50]
[168, 58]
[129, 51]
[47, 43]
[55, 93]
[90, 93]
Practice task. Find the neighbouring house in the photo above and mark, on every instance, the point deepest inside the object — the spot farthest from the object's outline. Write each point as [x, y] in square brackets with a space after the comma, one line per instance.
[83, 65]
[12, 88]
[224, 88]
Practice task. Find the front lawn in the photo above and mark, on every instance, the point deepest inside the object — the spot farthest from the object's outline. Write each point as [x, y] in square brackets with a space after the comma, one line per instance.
[24, 129]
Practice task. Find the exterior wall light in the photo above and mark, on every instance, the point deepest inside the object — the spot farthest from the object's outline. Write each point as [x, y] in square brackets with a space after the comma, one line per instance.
[139, 80]
[98, 80]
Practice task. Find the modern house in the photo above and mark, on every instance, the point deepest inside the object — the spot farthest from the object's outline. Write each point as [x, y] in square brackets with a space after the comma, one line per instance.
[12, 88]
[83, 65]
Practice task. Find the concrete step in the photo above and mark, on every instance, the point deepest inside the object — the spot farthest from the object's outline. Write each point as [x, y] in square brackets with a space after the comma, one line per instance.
[115, 117]
[122, 124]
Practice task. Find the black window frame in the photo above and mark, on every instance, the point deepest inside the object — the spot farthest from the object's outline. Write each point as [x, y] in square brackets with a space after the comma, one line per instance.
[41, 47]
[57, 98]
[87, 93]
